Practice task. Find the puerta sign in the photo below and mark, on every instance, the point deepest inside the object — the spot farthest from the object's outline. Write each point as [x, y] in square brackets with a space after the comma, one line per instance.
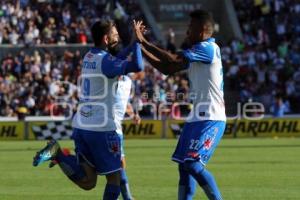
[170, 10]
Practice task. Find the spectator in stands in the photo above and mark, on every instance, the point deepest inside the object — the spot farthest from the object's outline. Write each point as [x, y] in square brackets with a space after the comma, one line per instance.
[279, 107]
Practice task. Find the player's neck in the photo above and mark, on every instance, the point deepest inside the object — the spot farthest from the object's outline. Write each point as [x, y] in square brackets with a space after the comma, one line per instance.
[205, 36]
[102, 47]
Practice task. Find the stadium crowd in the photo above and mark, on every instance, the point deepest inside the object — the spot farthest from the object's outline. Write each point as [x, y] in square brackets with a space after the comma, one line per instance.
[263, 67]
[32, 22]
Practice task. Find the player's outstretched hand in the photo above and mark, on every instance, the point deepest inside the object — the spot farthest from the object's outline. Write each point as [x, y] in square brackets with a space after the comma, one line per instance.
[139, 29]
[136, 119]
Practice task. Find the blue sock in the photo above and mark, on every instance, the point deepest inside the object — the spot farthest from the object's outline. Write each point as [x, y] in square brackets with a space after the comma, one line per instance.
[125, 191]
[205, 179]
[187, 184]
[111, 192]
[70, 167]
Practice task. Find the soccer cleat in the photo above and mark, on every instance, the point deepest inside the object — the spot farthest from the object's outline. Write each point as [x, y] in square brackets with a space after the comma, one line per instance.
[47, 153]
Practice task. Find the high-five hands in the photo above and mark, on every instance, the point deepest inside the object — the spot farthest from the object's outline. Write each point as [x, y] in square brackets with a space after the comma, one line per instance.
[139, 30]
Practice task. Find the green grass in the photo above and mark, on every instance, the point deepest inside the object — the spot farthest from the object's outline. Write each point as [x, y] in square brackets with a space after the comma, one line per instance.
[254, 169]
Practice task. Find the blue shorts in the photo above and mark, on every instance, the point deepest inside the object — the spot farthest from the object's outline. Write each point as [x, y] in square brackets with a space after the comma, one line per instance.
[100, 150]
[198, 141]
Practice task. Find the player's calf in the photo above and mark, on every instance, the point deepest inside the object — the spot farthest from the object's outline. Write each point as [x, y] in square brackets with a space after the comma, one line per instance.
[187, 184]
[204, 178]
[124, 185]
[81, 174]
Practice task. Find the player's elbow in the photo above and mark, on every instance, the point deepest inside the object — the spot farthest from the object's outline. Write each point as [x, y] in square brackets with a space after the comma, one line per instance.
[165, 72]
[174, 64]
[139, 66]
[163, 67]
[173, 68]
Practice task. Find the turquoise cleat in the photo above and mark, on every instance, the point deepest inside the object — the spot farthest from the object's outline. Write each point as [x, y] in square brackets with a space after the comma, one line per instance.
[47, 153]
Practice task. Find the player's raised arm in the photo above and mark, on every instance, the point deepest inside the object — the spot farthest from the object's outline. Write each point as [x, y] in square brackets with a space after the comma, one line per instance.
[162, 60]
[124, 53]
[114, 66]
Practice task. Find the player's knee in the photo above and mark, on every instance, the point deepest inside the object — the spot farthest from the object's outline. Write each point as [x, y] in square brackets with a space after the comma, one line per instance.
[193, 167]
[123, 181]
[123, 163]
[181, 167]
[123, 177]
[87, 185]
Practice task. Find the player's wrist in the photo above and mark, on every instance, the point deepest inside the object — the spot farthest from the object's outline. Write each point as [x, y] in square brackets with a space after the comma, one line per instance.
[131, 115]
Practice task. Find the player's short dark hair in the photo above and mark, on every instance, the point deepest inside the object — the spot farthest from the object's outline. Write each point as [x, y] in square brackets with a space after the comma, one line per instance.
[203, 16]
[100, 28]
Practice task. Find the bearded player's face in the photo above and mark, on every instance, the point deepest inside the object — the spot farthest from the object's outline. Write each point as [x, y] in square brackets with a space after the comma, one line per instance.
[113, 38]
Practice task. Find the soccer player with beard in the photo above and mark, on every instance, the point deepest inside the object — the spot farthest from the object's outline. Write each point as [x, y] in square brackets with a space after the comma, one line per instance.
[95, 125]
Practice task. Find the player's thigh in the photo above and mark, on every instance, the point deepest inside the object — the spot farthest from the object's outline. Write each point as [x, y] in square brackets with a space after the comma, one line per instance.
[90, 180]
[113, 178]
[91, 175]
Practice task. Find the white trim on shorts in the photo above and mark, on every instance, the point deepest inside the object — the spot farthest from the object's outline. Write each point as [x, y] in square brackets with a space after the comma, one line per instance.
[177, 160]
[109, 172]
[182, 161]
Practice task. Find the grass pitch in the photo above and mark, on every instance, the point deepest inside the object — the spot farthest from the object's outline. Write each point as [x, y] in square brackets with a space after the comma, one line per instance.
[245, 169]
